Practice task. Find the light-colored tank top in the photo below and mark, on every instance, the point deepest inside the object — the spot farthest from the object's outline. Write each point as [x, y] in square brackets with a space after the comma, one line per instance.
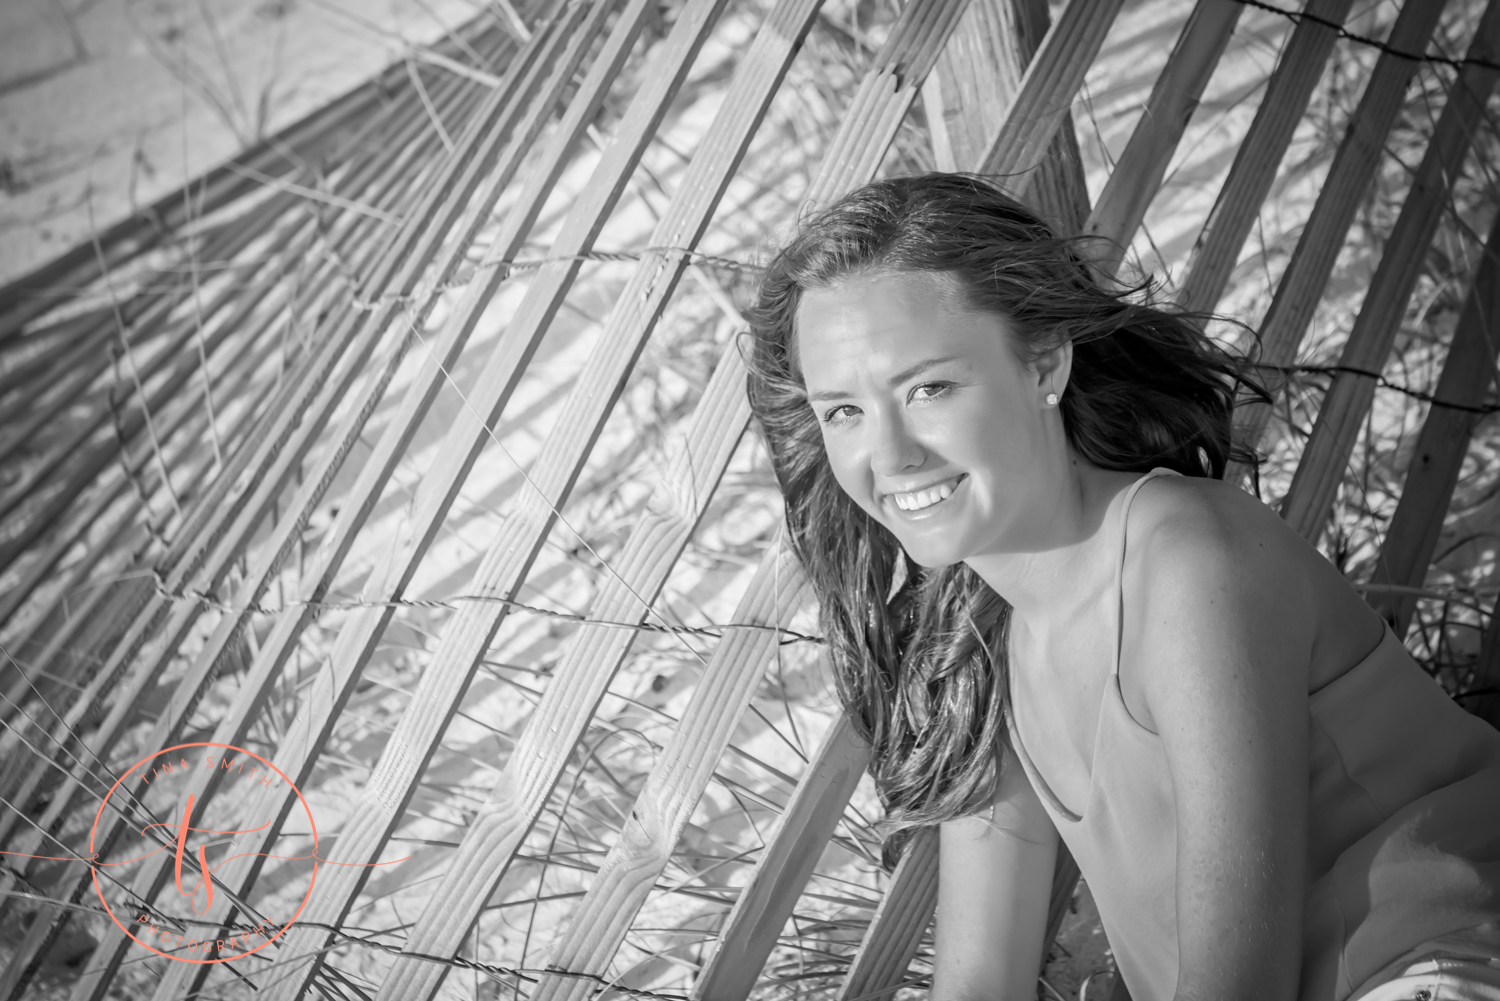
[1403, 824]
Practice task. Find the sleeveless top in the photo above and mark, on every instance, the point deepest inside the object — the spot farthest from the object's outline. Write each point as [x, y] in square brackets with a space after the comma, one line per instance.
[1403, 825]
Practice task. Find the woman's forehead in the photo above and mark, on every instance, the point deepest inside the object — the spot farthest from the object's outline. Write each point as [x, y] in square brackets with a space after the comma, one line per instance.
[881, 320]
[870, 308]
[923, 290]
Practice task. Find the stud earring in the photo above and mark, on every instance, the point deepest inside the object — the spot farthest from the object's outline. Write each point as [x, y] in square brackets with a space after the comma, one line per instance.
[1051, 399]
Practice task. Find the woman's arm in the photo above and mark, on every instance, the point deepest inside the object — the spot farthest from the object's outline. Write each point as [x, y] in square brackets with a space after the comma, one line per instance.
[994, 885]
[1219, 627]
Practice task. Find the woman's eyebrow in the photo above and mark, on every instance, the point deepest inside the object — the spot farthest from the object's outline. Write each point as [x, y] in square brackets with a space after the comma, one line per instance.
[895, 380]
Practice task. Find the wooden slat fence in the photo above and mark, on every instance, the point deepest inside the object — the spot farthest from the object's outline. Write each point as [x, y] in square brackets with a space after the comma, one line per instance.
[262, 469]
[1468, 373]
[1302, 283]
[171, 448]
[175, 566]
[229, 528]
[1260, 153]
[1139, 171]
[1307, 504]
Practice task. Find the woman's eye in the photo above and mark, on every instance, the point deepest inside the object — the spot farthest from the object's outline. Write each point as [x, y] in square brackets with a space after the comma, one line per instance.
[930, 390]
[841, 414]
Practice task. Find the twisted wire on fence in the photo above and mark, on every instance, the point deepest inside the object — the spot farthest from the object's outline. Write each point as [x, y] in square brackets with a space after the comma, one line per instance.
[715, 631]
[1482, 410]
[1298, 16]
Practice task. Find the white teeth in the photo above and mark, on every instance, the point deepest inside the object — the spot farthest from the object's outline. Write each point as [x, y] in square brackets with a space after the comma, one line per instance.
[916, 500]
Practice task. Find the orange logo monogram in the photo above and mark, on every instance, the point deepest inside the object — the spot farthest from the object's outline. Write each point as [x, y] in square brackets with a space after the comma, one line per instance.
[201, 923]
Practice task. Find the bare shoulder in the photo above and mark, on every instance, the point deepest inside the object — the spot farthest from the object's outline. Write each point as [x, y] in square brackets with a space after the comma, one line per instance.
[1197, 529]
[1204, 556]
[1214, 592]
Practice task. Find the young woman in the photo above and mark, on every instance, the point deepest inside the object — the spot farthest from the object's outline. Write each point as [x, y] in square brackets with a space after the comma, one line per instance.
[1052, 619]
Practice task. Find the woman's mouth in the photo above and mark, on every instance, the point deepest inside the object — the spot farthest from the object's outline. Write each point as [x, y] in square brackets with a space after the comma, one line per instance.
[916, 501]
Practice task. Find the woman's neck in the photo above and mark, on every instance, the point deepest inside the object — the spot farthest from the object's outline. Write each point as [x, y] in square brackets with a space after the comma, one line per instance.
[1071, 555]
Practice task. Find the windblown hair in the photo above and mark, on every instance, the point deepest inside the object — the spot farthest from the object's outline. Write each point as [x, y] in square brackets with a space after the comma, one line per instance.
[920, 664]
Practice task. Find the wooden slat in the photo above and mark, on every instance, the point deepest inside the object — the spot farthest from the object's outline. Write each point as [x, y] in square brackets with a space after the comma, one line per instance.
[1310, 500]
[572, 41]
[976, 79]
[39, 354]
[1053, 77]
[80, 592]
[897, 927]
[1138, 173]
[792, 851]
[1302, 284]
[1411, 538]
[399, 770]
[1254, 169]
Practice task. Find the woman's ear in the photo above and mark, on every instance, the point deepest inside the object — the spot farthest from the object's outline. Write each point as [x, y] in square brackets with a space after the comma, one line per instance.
[1053, 369]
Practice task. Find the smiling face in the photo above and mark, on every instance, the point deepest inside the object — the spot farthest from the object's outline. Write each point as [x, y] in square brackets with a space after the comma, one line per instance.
[932, 421]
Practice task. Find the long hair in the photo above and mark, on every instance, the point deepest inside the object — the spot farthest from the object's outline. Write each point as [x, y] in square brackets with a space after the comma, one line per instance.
[918, 655]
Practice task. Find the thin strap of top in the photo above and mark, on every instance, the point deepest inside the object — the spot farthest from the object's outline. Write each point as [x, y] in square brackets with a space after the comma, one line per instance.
[1038, 782]
[1114, 667]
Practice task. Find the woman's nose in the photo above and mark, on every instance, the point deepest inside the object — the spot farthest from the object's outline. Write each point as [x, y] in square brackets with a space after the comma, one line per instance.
[894, 449]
